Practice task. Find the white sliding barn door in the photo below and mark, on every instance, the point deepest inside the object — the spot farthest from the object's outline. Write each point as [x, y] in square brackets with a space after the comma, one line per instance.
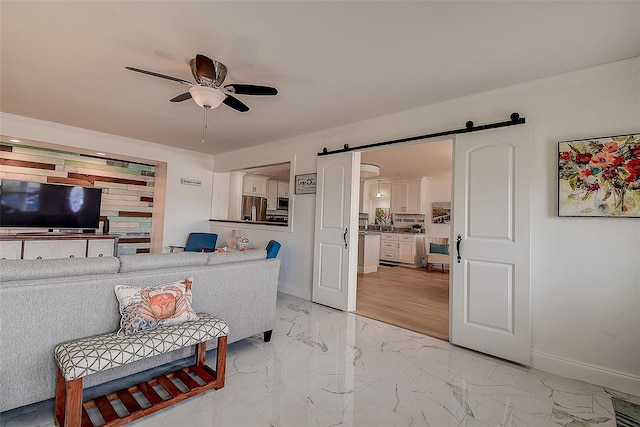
[336, 232]
[490, 303]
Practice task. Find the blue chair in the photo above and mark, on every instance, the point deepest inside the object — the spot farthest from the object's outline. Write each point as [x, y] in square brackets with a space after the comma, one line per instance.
[199, 242]
[272, 249]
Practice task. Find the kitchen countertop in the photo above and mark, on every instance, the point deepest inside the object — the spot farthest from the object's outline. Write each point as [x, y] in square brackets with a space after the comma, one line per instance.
[275, 223]
[396, 231]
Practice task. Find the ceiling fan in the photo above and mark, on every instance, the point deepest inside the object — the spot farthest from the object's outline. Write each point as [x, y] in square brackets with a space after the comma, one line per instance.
[207, 91]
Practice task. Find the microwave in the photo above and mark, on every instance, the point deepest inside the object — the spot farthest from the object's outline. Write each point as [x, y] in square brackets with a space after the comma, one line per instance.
[283, 204]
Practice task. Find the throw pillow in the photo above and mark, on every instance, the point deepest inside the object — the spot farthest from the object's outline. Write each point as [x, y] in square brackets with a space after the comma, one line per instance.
[435, 248]
[144, 308]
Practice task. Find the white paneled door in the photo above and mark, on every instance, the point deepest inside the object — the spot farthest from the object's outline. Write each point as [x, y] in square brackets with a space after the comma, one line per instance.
[336, 231]
[490, 302]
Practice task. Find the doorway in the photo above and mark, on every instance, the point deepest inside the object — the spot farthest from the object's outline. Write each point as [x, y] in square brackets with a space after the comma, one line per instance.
[404, 294]
[406, 297]
[490, 278]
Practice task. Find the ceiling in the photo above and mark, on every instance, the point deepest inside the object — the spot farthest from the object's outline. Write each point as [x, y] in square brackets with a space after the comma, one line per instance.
[332, 62]
[410, 161]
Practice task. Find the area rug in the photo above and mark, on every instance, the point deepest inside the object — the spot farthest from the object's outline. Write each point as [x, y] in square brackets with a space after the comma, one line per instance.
[627, 414]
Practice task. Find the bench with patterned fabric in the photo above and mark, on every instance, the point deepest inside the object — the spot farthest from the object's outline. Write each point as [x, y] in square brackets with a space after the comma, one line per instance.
[83, 357]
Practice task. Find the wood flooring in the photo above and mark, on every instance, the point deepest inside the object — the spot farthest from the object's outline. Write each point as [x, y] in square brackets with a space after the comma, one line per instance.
[407, 297]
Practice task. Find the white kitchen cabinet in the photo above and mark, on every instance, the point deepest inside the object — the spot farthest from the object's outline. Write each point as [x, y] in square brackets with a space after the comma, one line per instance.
[389, 247]
[11, 250]
[405, 196]
[272, 195]
[398, 247]
[406, 249]
[283, 189]
[368, 252]
[100, 248]
[254, 185]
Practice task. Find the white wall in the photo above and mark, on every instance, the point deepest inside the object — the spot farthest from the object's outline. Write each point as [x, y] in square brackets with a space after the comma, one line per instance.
[187, 207]
[585, 272]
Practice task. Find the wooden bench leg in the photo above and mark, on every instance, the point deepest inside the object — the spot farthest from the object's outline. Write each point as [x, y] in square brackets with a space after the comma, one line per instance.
[221, 362]
[73, 410]
[221, 356]
[61, 398]
[68, 403]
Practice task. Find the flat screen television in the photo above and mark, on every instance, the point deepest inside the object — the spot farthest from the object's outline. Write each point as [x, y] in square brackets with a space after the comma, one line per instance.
[34, 204]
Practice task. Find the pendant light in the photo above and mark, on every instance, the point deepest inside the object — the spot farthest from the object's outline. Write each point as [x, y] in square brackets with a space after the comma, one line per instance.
[378, 194]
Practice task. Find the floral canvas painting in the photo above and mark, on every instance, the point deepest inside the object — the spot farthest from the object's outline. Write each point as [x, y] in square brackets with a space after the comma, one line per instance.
[599, 177]
[383, 216]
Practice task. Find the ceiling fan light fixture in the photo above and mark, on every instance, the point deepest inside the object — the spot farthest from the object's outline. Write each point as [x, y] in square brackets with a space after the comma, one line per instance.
[368, 170]
[206, 97]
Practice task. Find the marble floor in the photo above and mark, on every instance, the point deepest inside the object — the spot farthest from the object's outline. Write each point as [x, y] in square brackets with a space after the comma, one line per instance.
[329, 368]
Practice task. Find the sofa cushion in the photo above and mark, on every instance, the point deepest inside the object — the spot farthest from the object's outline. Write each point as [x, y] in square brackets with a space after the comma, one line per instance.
[236, 256]
[140, 262]
[86, 356]
[23, 269]
[145, 308]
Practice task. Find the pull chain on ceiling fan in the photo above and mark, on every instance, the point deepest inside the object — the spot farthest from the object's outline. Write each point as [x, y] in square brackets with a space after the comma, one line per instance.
[204, 123]
[209, 76]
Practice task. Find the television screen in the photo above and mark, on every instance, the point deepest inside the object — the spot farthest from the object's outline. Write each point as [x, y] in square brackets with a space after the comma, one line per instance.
[34, 204]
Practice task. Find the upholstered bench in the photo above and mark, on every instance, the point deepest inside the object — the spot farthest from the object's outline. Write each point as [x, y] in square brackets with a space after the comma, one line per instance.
[83, 357]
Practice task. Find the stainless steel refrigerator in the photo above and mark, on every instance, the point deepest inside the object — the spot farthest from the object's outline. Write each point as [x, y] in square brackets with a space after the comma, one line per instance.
[254, 208]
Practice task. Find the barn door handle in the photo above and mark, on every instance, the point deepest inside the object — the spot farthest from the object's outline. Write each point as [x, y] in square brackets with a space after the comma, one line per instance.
[344, 236]
[458, 240]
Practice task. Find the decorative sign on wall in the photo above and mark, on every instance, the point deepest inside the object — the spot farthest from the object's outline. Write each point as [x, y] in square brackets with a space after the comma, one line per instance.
[306, 184]
[599, 177]
[189, 181]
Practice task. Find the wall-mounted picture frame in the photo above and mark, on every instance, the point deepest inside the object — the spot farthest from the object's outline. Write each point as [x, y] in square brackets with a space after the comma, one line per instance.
[441, 212]
[599, 177]
[306, 184]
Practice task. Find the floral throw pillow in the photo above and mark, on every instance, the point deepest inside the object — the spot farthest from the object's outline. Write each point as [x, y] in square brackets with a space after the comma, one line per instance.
[144, 308]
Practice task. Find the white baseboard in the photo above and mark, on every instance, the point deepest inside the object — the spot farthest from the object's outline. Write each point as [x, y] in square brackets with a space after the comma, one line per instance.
[366, 270]
[615, 380]
[292, 290]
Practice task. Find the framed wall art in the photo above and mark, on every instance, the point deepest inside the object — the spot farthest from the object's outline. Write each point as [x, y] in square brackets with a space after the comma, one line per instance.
[599, 177]
[441, 212]
[306, 184]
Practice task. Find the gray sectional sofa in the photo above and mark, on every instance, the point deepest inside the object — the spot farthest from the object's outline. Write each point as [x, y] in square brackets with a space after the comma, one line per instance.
[46, 302]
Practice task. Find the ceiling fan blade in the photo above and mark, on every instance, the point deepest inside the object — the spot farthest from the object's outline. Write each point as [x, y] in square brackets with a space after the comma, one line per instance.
[151, 73]
[235, 103]
[181, 97]
[242, 89]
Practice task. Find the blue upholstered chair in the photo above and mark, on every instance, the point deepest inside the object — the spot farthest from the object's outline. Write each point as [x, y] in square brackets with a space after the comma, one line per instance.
[199, 242]
[272, 249]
